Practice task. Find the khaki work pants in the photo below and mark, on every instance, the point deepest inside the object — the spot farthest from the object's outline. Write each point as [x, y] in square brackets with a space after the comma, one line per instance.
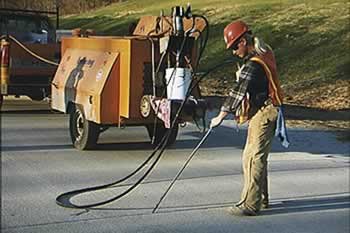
[261, 131]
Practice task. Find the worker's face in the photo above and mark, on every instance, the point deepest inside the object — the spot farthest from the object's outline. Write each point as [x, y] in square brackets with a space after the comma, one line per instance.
[240, 48]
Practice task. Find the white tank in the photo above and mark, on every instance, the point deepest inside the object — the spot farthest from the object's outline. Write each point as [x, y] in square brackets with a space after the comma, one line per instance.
[178, 81]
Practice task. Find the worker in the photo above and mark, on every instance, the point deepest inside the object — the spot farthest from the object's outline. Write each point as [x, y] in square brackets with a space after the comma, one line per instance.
[256, 99]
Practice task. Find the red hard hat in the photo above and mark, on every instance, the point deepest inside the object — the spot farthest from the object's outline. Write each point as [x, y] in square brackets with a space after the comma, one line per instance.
[233, 31]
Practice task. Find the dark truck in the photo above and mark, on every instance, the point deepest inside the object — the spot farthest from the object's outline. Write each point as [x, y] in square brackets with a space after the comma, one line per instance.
[26, 74]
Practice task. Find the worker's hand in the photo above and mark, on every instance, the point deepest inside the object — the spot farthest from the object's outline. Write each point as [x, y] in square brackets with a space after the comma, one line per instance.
[216, 121]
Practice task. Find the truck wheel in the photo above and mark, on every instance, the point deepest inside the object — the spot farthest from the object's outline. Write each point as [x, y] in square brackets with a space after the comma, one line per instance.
[84, 133]
[160, 132]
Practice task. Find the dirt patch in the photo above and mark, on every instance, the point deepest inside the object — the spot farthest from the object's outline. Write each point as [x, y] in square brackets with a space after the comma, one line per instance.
[326, 96]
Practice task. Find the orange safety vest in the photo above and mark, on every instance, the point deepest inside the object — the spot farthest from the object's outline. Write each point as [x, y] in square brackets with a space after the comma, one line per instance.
[268, 62]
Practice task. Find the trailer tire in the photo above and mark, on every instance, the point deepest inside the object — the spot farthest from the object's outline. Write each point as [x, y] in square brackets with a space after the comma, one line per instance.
[84, 133]
[36, 97]
[1, 100]
[160, 132]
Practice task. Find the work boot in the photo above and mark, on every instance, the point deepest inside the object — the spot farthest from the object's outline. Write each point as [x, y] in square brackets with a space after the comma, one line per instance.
[241, 211]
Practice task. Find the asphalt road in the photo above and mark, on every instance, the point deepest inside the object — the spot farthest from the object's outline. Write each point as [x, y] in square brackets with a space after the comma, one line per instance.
[309, 182]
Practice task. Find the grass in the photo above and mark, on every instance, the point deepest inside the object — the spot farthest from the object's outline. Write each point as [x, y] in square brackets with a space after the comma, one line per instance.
[310, 38]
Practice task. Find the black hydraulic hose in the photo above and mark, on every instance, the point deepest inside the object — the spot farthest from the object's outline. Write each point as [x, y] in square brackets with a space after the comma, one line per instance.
[202, 47]
[163, 93]
[204, 44]
[64, 199]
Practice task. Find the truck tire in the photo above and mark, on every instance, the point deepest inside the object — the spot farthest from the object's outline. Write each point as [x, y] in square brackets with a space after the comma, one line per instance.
[84, 133]
[160, 132]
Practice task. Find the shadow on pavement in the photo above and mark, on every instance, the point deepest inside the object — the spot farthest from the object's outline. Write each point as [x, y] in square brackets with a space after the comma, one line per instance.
[285, 207]
[169, 209]
[29, 111]
[297, 205]
[310, 204]
[36, 147]
[302, 141]
[127, 146]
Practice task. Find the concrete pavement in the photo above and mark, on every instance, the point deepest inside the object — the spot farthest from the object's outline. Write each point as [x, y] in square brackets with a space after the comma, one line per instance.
[309, 182]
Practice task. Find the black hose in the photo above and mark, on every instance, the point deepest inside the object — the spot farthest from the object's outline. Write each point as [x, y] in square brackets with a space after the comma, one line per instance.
[203, 44]
[64, 199]
[163, 93]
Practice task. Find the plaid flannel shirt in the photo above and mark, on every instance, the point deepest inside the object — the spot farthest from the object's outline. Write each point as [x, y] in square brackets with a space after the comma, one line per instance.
[236, 95]
[250, 71]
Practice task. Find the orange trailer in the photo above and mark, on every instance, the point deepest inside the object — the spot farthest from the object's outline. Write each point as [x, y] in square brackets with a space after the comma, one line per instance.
[122, 81]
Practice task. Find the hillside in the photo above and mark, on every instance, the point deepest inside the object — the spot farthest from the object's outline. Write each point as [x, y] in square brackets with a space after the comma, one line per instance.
[310, 39]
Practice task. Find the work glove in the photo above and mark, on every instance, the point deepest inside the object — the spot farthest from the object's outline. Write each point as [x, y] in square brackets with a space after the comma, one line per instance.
[216, 121]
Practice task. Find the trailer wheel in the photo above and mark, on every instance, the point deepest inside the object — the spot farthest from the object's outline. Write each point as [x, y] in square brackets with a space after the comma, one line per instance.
[160, 132]
[84, 133]
[36, 97]
[1, 100]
